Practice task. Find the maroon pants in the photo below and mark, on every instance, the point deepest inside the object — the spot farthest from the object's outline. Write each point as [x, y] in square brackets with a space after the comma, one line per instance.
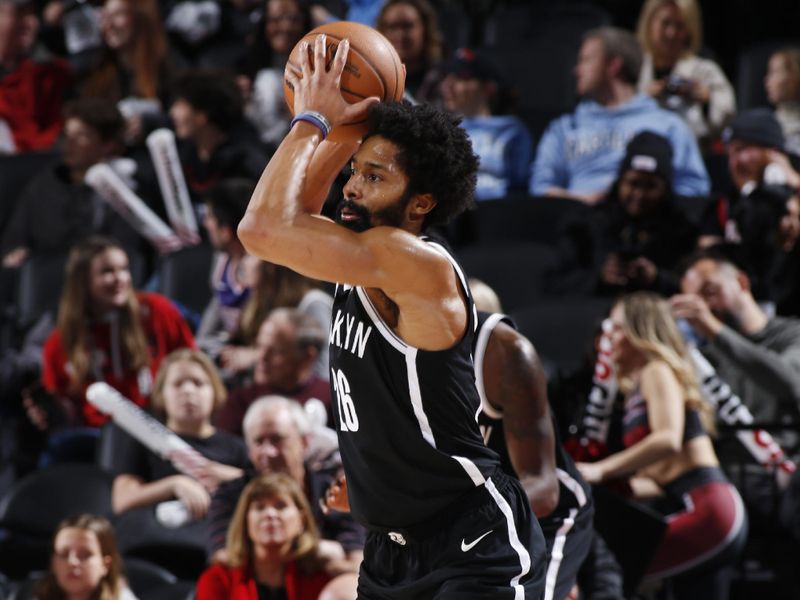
[710, 529]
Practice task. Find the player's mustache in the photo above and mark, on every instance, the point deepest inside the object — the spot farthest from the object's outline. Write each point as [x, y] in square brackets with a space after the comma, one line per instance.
[363, 214]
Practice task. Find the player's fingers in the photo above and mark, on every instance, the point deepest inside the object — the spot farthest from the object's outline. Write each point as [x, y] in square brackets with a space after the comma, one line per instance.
[340, 60]
[305, 61]
[319, 53]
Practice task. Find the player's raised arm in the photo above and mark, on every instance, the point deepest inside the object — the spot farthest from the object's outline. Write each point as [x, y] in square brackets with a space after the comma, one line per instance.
[397, 187]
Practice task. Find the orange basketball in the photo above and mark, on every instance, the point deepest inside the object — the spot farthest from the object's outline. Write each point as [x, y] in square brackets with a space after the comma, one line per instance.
[373, 69]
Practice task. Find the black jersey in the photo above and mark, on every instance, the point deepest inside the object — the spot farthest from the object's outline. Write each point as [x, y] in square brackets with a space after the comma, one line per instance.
[406, 417]
[574, 492]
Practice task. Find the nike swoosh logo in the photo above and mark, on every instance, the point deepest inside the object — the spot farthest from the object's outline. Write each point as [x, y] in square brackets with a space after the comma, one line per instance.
[465, 547]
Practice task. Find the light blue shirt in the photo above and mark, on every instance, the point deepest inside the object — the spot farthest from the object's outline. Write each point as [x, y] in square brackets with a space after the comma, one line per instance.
[581, 152]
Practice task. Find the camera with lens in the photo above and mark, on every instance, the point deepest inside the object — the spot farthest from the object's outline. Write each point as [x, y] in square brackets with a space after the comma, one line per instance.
[676, 86]
[761, 209]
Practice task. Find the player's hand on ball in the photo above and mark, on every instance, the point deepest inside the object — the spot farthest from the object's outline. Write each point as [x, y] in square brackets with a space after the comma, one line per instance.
[318, 89]
[336, 496]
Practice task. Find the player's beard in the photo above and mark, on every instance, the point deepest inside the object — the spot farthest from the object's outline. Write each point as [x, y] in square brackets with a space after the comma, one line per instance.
[391, 215]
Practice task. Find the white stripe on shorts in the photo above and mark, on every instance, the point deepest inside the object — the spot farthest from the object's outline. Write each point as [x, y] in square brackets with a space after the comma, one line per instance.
[557, 554]
[513, 538]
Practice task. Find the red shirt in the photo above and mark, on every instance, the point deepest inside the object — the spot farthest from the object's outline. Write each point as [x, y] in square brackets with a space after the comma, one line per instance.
[31, 99]
[165, 331]
[237, 583]
[231, 415]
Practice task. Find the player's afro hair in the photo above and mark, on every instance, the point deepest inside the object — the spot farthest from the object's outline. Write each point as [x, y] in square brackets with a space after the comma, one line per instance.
[434, 152]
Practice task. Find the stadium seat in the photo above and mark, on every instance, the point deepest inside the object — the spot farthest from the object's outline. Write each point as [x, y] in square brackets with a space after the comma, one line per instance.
[456, 28]
[15, 173]
[562, 329]
[145, 577]
[41, 280]
[514, 269]
[184, 276]
[520, 217]
[35, 505]
[536, 48]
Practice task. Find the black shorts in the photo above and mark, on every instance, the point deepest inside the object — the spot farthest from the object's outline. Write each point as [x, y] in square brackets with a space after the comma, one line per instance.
[487, 545]
[568, 542]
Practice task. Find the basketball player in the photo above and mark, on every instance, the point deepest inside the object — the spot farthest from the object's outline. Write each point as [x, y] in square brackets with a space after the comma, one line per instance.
[516, 423]
[444, 520]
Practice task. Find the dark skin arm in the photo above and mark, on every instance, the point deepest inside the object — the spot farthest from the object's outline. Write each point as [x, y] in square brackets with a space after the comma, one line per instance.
[515, 384]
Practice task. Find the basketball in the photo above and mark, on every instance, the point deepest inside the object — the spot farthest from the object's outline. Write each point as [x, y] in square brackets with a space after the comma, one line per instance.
[373, 69]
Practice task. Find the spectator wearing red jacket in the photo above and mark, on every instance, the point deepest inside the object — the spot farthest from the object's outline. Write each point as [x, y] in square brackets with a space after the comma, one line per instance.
[107, 331]
[272, 548]
[32, 84]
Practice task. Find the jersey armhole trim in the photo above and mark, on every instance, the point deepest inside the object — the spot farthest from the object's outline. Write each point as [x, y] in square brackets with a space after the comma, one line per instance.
[480, 351]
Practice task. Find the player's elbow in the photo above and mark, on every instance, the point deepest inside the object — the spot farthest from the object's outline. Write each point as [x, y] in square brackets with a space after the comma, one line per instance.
[546, 502]
[543, 493]
[253, 234]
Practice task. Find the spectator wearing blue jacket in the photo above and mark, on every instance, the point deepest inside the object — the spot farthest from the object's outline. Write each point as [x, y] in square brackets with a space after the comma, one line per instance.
[473, 89]
[579, 153]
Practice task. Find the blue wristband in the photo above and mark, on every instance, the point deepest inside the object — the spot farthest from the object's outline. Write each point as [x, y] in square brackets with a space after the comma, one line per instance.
[315, 118]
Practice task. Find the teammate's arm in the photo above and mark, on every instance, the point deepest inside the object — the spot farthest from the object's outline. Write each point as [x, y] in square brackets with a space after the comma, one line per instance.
[280, 223]
[515, 384]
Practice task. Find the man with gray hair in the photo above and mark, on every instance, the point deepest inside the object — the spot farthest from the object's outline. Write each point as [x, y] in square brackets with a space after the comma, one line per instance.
[579, 154]
[290, 343]
[278, 435]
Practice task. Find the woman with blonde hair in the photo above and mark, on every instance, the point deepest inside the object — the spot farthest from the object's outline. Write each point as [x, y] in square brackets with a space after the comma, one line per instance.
[272, 548]
[782, 84]
[668, 452]
[670, 33]
[85, 563]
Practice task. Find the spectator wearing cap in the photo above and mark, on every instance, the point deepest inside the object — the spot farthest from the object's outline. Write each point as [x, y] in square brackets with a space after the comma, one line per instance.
[579, 154]
[635, 237]
[472, 88]
[762, 213]
[32, 83]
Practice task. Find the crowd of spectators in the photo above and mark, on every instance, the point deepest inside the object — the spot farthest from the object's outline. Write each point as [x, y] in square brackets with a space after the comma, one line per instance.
[664, 189]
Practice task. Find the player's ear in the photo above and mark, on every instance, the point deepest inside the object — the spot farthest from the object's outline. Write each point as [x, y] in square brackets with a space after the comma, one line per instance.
[420, 205]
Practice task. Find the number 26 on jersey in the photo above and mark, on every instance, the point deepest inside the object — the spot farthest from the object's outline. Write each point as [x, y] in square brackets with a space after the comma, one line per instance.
[348, 419]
